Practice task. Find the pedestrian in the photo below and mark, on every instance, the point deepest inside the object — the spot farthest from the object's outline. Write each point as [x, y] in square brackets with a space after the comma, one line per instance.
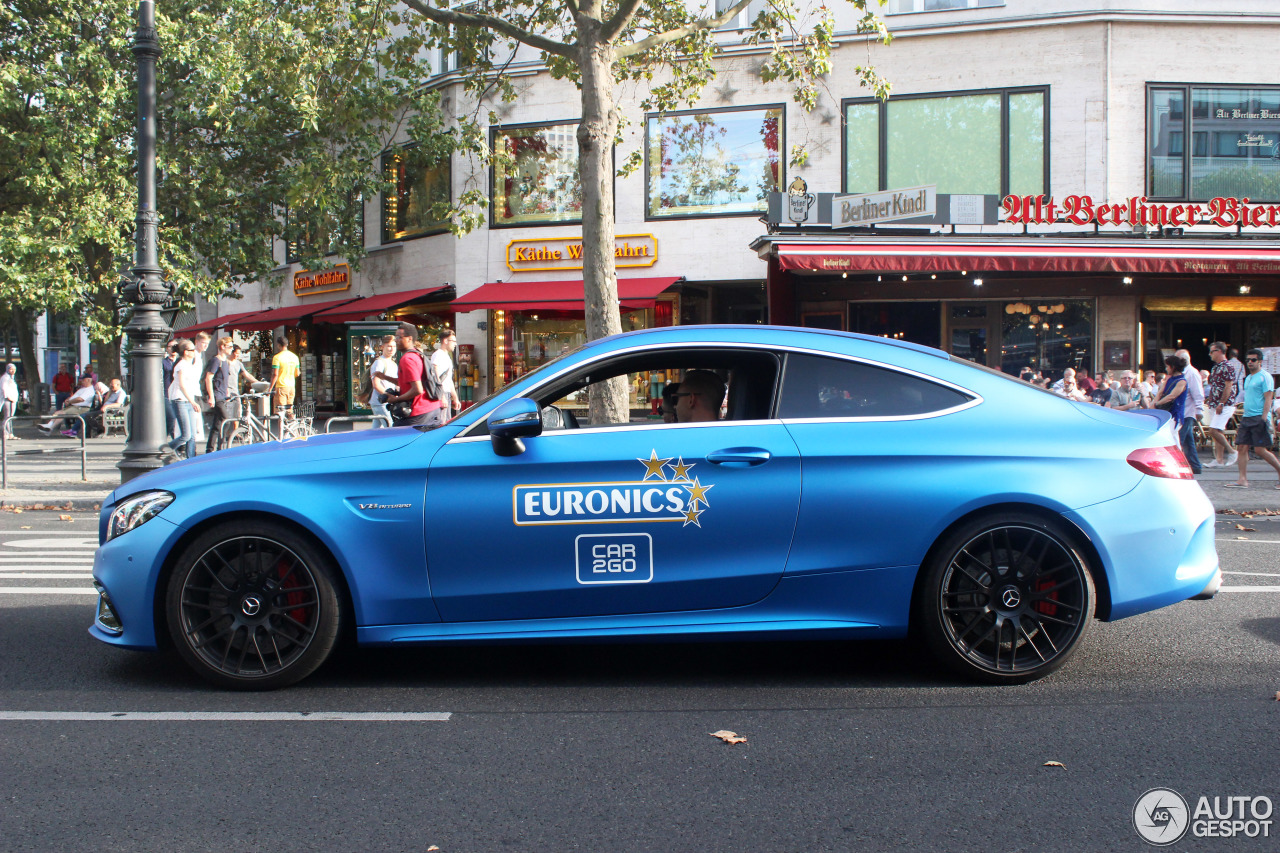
[63, 385]
[1173, 397]
[442, 363]
[204, 410]
[166, 366]
[8, 397]
[1252, 431]
[78, 403]
[1191, 412]
[411, 382]
[284, 378]
[383, 366]
[1220, 401]
[222, 385]
[1101, 395]
[182, 391]
[1126, 397]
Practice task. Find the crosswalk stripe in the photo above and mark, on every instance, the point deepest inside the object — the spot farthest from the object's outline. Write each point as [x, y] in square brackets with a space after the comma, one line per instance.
[33, 575]
[1249, 589]
[229, 716]
[47, 590]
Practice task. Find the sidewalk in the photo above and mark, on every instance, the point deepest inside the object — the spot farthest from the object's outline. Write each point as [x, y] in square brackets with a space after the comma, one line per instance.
[53, 479]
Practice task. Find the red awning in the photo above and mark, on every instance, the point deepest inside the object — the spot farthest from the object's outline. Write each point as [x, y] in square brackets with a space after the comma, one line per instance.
[362, 308]
[288, 316]
[227, 321]
[633, 294]
[1082, 255]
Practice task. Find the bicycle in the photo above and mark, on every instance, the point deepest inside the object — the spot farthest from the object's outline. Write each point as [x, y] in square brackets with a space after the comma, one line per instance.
[248, 428]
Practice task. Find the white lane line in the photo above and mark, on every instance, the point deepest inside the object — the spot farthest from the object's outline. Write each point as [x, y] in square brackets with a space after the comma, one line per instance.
[1258, 574]
[46, 590]
[76, 575]
[49, 542]
[229, 716]
[1249, 589]
[1247, 539]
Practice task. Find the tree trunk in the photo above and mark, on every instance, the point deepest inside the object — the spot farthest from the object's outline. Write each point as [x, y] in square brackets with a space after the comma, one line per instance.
[24, 329]
[608, 402]
[104, 298]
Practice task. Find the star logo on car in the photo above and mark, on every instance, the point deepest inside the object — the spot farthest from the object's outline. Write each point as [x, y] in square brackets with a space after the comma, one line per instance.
[653, 465]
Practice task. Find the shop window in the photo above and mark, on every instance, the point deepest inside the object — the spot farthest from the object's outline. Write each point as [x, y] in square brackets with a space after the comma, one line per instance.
[1235, 143]
[906, 7]
[819, 387]
[535, 175]
[713, 163]
[992, 142]
[1048, 336]
[418, 194]
[330, 230]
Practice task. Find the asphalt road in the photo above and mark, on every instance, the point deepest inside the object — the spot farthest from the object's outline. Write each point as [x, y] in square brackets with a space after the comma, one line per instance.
[607, 747]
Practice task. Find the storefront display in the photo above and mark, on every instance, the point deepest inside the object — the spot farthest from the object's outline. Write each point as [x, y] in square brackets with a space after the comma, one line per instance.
[364, 345]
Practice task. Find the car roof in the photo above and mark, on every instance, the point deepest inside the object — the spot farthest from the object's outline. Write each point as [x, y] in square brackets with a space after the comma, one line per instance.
[710, 328]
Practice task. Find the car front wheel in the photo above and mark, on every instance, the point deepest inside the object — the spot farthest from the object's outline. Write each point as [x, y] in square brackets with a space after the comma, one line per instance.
[1006, 600]
[252, 606]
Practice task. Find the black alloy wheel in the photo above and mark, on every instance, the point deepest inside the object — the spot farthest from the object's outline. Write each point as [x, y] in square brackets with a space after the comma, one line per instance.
[252, 607]
[1006, 600]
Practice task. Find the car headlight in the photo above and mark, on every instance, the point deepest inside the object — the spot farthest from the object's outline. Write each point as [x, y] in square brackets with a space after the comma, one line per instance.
[136, 510]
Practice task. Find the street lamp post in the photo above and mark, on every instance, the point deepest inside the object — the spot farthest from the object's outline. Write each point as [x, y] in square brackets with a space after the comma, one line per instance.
[146, 289]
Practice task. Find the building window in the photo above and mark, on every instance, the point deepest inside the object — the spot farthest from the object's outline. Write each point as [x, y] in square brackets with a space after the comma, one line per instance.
[413, 205]
[1235, 143]
[328, 234]
[744, 18]
[713, 163]
[535, 175]
[993, 142]
[906, 7]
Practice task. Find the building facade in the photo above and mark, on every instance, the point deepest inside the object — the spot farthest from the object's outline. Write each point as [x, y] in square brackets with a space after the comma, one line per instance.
[1150, 106]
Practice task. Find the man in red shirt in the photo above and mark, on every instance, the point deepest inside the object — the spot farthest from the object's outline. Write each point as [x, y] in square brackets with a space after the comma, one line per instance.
[63, 385]
[411, 380]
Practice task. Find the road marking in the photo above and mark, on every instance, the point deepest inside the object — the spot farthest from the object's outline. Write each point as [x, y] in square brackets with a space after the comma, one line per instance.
[78, 575]
[60, 543]
[1247, 539]
[229, 716]
[46, 590]
[1249, 589]
[1258, 574]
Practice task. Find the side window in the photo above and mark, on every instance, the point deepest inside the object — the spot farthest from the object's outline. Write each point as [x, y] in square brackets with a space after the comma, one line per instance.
[818, 387]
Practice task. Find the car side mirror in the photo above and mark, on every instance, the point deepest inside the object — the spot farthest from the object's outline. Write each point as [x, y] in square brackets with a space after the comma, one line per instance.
[513, 420]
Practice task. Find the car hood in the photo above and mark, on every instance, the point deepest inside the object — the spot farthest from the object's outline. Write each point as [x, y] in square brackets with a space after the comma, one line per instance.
[225, 464]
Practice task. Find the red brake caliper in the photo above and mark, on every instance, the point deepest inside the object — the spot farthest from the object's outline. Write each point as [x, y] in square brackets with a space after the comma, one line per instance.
[294, 593]
[1046, 605]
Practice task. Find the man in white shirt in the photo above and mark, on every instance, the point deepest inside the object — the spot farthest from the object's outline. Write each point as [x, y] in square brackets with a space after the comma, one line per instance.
[1195, 405]
[77, 404]
[383, 365]
[8, 397]
[442, 364]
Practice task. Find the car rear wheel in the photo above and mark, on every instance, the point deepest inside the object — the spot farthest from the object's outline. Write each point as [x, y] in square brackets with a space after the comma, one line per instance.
[252, 606]
[1006, 600]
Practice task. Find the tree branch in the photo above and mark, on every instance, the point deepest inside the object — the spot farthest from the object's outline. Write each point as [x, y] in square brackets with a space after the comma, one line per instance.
[681, 32]
[467, 19]
[618, 23]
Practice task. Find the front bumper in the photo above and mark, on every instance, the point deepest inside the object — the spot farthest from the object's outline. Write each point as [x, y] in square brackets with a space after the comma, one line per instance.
[127, 569]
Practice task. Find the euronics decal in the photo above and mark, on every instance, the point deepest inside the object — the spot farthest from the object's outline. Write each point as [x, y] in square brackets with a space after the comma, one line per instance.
[655, 497]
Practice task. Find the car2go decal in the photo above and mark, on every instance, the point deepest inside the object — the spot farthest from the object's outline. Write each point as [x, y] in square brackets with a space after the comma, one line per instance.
[614, 558]
[653, 498]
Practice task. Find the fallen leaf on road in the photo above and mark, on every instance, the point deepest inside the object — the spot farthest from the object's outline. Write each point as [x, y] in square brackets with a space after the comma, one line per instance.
[1278, 697]
[25, 527]
[65, 518]
[1055, 764]
[16, 509]
[432, 847]
[1249, 529]
[1245, 538]
[728, 736]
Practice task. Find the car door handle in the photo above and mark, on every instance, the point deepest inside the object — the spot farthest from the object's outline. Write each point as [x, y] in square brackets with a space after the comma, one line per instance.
[739, 457]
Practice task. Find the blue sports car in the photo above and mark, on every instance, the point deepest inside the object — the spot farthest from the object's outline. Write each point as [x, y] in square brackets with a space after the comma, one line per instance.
[844, 486]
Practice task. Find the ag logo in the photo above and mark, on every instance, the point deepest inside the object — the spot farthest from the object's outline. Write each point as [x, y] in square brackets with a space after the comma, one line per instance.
[1160, 816]
[666, 492]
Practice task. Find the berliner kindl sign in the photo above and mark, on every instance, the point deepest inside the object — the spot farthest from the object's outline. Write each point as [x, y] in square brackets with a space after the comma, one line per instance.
[848, 211]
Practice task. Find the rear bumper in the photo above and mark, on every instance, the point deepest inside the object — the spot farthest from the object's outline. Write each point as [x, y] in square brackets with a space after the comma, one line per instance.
[1211, 589]
[1156, 544]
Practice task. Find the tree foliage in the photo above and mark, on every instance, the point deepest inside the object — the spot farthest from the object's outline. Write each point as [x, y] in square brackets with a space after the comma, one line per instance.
[263, 108]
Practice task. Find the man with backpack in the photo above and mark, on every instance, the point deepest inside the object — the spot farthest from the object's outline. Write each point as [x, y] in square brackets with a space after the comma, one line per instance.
[418, 403]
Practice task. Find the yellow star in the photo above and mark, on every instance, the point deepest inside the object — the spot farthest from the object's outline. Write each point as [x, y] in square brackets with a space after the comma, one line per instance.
[653, 466]
[681, 470]
[691, 517]
[698, 493]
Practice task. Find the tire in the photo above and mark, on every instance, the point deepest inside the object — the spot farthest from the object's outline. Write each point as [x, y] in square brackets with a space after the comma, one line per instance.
[1007, 599]
[252, 606]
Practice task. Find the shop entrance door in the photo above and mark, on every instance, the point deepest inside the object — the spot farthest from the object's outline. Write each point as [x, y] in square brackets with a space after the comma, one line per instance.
[971, 332]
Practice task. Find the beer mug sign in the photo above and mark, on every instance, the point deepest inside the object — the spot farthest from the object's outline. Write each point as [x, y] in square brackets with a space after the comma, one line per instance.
[799, 200]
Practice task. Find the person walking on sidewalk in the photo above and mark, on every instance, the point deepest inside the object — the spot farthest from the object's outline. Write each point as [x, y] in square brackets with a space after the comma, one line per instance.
[411, 379]
[1259, 389]
[442, 364]
[284, 378]
[182, 391]
[383, 366]
[1222, 407]
[1191, 410]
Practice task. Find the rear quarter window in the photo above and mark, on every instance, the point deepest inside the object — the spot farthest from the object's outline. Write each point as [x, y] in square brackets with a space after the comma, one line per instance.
[820, 387]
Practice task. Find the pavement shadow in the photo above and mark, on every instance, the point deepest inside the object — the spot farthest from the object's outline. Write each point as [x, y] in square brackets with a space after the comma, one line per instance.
[1264, 629]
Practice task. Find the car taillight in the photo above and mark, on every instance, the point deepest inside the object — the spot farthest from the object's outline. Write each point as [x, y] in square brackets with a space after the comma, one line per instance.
[1161, 462]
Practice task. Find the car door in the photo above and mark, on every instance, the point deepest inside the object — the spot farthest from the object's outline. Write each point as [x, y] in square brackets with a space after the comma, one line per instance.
[617, 520]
